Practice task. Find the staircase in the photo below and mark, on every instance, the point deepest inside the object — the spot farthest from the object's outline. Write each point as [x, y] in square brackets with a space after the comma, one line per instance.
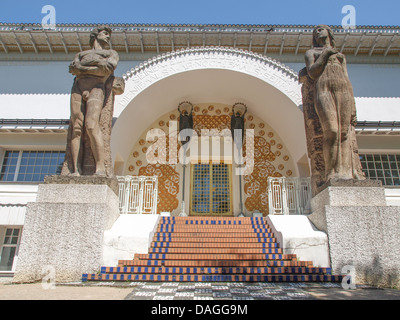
[214, 249]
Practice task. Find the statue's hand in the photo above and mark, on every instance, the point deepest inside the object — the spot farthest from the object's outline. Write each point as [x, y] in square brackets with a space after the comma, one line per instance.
[330, 51]
[103, 65]
[73, 69]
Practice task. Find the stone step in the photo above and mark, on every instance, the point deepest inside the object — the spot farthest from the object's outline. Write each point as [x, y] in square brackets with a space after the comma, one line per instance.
[233, 250]
[169, 244]
[215, 263]
[214, 256]
[217, 270]
[209, 239]
[202, 228]
[212, 278]
[213, 220]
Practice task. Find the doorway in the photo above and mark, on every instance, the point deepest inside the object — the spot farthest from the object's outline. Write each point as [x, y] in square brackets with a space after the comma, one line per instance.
[211, 189]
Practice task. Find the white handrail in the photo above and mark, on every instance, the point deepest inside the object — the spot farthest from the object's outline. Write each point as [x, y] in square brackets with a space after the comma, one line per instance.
[289, 195]
[138, 194]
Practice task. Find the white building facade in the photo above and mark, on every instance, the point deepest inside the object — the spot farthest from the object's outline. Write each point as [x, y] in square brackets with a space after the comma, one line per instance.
[211, 66]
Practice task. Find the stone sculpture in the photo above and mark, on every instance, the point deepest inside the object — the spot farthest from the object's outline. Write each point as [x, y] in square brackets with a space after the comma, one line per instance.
[329, 112]
[92, 105]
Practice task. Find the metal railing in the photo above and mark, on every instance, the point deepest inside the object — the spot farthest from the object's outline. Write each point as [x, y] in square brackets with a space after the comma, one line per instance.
[289, 195]
[138, 194]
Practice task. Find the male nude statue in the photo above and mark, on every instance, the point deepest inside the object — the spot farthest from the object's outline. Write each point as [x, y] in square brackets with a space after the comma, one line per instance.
[92, 69]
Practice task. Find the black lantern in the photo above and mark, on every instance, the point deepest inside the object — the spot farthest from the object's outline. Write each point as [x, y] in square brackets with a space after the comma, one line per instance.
[185, 121]
[237, 123]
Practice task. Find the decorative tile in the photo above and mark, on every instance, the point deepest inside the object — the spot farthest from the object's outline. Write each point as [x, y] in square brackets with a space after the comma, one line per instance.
[163, 298]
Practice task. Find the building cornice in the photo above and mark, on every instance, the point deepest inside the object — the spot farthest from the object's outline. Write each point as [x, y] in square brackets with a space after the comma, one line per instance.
[363, 41]
[61, 126]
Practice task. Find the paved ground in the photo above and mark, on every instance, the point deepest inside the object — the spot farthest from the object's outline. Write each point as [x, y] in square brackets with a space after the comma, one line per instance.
[192, 291]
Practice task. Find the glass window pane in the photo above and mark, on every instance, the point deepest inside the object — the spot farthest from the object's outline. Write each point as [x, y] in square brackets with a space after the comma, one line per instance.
[7, 258]
[34, 165]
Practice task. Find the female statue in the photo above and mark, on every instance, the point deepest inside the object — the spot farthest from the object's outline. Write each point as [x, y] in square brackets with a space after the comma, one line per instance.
[334, 105]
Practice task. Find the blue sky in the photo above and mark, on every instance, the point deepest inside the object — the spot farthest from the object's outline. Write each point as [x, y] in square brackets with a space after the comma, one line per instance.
[301, 12]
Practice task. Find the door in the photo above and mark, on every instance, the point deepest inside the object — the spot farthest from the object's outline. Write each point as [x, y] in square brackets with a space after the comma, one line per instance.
[211, 189]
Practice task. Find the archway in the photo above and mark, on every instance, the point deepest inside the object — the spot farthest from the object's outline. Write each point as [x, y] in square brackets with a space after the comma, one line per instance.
[217, 75]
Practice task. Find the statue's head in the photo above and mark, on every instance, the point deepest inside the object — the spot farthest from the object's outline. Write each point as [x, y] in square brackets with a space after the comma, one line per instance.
[322, 31]
[238, 114]
[102, 34]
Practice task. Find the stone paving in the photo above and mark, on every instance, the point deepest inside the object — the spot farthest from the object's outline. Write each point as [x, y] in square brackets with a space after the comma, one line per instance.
[218, 291]
[232, 291]
[246, 291]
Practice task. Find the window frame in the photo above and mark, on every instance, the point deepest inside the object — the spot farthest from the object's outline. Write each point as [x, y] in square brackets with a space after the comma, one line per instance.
[377, 171]
[11, 245]
[17, 172]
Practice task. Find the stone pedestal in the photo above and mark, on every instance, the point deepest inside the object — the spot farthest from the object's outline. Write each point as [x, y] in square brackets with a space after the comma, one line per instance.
[64, 229]
[362, 230]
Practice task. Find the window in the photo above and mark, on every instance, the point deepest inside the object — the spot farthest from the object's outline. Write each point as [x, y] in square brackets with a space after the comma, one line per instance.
[31, 166]
[383, 167]
[9, 249]
[211, 189]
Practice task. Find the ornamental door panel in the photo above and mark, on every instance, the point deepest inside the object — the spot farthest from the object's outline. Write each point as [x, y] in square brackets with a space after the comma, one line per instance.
[211, 189]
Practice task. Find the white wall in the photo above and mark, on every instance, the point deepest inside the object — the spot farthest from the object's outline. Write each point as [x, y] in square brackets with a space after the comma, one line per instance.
[43, 77]
[52, 77]
[370, 80]
[41, 89]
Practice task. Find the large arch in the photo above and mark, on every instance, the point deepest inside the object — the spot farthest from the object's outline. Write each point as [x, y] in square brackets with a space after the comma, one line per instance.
[215, 75]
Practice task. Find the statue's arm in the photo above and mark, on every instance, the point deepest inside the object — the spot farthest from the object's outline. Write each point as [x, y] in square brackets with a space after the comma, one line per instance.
[344, 65]
[316, 67]
[76, 67]
[113, 60]
[353, 110]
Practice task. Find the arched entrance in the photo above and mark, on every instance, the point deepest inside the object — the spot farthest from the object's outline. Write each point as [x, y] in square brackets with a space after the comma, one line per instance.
[207, 77]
